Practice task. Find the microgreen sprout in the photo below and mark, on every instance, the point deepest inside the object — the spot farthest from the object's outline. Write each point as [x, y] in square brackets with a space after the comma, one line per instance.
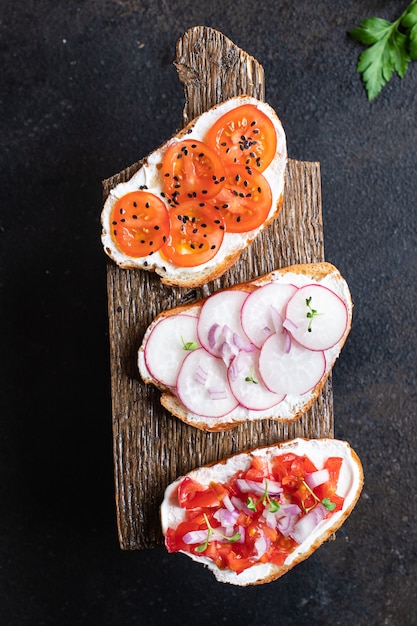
[273, 504]
[213, 531]
[189, 345]
[326, 502]
[311, 313]
[250, 378]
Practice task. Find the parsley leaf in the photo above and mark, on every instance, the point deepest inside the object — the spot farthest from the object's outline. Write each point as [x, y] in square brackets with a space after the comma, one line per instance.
[391, 47]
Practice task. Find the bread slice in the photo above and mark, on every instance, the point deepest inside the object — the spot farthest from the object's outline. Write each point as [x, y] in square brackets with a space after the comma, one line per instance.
[149, 177]
[294, 404]
[349, 487]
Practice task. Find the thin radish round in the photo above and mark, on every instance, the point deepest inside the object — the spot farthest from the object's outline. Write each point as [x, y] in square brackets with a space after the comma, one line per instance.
[246, 383]
[167, 346]
[219, 329]
[316, 317]
[262, 308]
[288, 368]
[202, 385]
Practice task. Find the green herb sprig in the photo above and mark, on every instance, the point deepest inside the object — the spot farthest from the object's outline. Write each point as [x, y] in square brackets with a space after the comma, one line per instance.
[266, 500]
[391, 47]
[311, 313]
[213, 531]
[189, 345]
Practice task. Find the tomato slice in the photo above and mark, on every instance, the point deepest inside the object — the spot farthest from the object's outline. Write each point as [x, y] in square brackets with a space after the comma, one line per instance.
[245, 200]
[244, 135]
[196, 234]
[140, 223]
[192, 495]
[191, 169]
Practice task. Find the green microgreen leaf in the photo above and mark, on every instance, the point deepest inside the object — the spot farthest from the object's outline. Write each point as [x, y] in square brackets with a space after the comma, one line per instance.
[330, 506]
[250, 378]
[189, 345]
[311, 313]
[266, 500]
[391, 47]
[213, 531]
[251, 504]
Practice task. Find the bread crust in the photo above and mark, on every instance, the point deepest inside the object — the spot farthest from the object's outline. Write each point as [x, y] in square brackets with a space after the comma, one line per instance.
[319, 272]
[257, 574]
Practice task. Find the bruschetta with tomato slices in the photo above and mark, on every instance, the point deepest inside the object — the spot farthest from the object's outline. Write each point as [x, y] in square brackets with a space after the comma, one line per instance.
[254, 516]
[202, 197]
[257, 350]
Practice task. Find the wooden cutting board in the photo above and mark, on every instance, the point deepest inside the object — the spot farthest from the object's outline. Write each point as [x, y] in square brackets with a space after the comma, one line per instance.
[152, 448]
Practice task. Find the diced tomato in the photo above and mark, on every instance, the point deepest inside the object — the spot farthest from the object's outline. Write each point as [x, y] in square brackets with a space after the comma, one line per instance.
[328, 489]
[244, 135]
[173, 537]
[258, 470]
[192, 495]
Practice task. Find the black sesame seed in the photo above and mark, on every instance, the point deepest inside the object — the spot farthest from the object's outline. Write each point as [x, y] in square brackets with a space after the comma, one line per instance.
[201, 245]
[238, 218]
[145, 263]
[147, 205]
[156, 227]
[135, 203]
[213, 247]
[115, 233]
[203, 225]
[195, 230]
[253, 123]
[167, 174]
[256, 131]
[114, 223]
[123, 219]
[135, 217]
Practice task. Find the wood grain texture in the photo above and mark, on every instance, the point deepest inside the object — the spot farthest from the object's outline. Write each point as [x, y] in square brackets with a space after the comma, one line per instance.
[152, 448]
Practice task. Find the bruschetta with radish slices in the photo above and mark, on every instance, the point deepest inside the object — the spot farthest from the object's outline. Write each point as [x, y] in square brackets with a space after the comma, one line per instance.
[254, 516]
[257, 350]
[202, 197]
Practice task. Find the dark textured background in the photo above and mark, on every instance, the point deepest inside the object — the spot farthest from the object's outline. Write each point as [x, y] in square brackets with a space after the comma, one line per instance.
[87, 88]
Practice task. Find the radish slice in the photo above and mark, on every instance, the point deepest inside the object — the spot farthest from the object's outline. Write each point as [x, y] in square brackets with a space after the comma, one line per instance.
[317, 317]
[219, 319]
[292, 372]
[247, 385]
[166, 347]
[259, 309]
[211, 398]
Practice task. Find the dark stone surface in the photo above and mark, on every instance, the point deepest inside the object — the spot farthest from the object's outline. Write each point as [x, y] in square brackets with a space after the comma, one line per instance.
[88, 88]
